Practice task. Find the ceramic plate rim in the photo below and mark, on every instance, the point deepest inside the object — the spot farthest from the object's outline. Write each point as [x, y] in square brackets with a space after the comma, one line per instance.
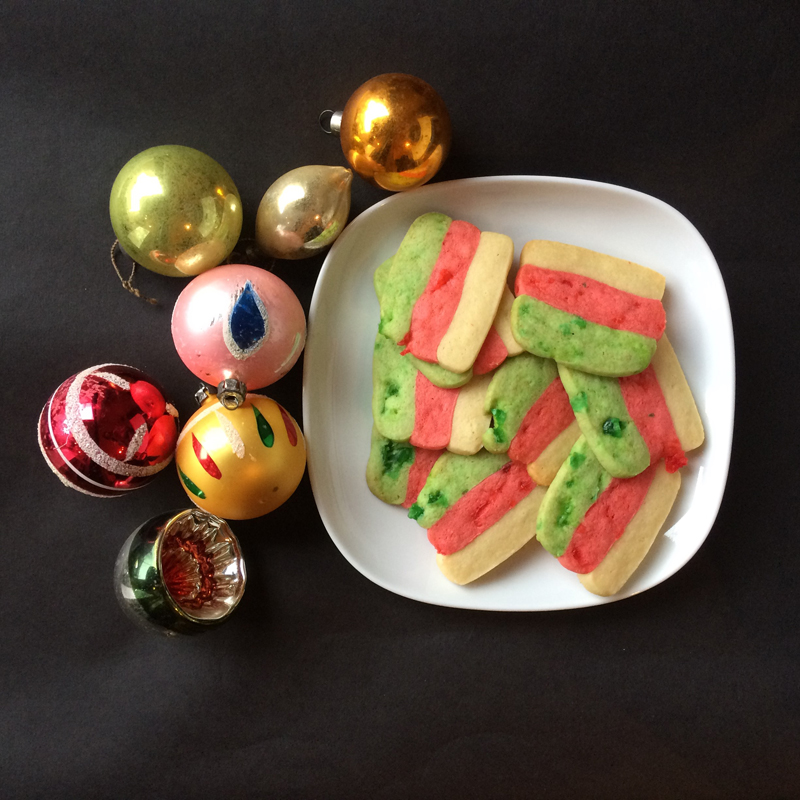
[318, 364]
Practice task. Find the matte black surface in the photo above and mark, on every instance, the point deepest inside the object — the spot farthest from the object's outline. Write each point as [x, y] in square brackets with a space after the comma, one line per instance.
[323, 685]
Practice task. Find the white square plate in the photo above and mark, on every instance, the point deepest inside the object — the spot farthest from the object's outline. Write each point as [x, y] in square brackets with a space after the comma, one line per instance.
[379, 540]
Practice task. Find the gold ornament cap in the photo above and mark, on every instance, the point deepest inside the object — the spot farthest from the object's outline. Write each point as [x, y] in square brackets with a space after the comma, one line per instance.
[395, 131]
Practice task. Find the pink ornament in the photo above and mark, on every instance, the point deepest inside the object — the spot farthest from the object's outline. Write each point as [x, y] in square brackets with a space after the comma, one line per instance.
[108, 430]
[238, 321]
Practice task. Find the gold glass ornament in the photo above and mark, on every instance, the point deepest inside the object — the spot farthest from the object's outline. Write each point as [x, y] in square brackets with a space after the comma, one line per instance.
[395, 131]
[303, 211]
[175, 211]
[240, 459]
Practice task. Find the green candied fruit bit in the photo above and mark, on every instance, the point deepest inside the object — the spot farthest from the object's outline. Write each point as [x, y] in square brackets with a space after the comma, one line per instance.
[392, 389]
[565, 517]
[570, 483]
[614, 427]
[395, 455]
[437, 498]
[498, 418]
[416, 511]
[580, 322]
[576, 458]
[580, 402]
[565, 328]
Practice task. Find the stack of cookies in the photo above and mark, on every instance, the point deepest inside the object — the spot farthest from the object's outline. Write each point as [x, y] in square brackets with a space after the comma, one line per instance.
[558, 412]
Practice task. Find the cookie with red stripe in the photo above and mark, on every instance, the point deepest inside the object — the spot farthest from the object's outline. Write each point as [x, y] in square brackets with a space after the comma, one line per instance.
[531, 414]
[599, 526]
[396, 471]
[443, 290]
[588, 310]
[479, 510]
[500, 343]
[407, 407]
[634, 421]
[435, 373]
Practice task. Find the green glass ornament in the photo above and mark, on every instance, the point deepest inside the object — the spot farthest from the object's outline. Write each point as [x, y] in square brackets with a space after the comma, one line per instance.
[175, 211]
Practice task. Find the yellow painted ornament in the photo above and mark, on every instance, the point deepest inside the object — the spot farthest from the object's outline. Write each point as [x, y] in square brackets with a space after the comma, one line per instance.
[304, 211]
[395, 131]
[243, 462]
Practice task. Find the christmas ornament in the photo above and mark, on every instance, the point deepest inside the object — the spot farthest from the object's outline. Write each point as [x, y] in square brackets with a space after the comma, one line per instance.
[243, 462]
[238, 322]
[175, 211]
[395, 131]
[180, 572]
[303, 211]
[107, 430]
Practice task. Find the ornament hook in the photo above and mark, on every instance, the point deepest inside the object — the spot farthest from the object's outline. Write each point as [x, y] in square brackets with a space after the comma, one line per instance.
[128, 283]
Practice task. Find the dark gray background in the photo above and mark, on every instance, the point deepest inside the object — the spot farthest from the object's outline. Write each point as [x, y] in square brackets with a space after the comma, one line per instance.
[323, 685]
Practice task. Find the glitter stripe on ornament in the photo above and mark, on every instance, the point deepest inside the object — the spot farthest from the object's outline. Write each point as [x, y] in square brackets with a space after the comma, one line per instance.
[108, 490]
[232, 435]
[85, 441]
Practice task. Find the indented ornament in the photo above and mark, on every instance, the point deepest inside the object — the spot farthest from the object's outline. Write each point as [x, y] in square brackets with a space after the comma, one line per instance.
[108, 430]
[395, 131]
[304, 211]
[243, 462]
[180, 572]
[241, 322]
[175, 211]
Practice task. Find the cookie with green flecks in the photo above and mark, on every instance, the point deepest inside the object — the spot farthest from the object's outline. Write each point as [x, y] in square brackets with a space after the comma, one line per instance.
[396, 471]
[588, 310]
[599, 526]
[634, 421]
[479, 510]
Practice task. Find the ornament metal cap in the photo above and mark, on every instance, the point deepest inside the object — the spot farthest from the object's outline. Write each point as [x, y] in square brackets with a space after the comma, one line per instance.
[181, 572]
[331, 121]
[231, 392]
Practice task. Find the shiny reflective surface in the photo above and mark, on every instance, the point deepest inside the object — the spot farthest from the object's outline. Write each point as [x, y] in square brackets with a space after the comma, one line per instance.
[395, 131]
[107, 430]
[304, 211]
[175, 211]
[238, 321]
[240, 463]
[180, 572]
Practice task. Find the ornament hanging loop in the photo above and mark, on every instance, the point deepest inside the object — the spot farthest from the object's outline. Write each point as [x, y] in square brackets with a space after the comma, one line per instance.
[331, 122]
[128, 282]
[231, 393]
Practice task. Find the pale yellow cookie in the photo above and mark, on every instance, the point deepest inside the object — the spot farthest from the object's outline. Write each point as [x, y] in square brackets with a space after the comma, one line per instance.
[480, 299]
[616, 272]
[502, 323]
[469, 418]
[678, 396]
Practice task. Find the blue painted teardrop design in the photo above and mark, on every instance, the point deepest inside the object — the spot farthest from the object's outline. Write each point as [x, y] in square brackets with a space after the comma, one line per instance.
[247, 325]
